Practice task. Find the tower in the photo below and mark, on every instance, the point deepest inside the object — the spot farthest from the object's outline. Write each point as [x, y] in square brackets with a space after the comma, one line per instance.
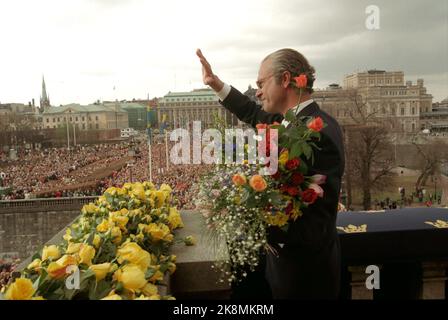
[44, 98]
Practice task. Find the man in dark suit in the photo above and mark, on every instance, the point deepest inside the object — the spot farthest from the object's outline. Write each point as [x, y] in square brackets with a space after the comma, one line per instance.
[307, 263]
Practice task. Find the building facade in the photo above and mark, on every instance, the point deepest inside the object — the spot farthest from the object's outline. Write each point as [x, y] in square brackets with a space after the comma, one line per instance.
[180, 109]
[437, 119]
[385, 95]
[89, 117]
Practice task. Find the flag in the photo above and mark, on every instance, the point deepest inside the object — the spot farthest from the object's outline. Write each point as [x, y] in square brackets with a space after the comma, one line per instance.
[150, 120]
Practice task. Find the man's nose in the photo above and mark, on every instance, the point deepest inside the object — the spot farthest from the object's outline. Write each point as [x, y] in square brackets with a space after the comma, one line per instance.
[258, 94]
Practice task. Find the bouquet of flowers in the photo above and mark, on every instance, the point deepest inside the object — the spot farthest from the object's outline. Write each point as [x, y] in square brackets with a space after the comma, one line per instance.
[240, 205]
[116, 249]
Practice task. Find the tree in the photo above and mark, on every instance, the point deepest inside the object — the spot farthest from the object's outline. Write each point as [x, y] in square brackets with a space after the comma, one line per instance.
[369, 153]
[431, 155]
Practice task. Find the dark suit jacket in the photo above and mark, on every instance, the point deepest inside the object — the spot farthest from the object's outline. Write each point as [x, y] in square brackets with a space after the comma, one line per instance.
[308, 264]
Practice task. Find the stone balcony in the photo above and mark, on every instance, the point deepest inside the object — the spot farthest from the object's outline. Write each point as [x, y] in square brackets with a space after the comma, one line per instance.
[409, 247]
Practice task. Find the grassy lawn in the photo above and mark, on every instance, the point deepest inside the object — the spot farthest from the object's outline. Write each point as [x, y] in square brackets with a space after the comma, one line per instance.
[391, 191]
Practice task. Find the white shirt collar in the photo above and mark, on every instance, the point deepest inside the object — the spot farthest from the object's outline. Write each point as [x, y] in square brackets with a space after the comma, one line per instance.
[298, 109]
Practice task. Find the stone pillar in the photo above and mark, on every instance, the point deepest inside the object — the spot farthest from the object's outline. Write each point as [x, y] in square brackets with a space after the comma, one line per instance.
[434, 277]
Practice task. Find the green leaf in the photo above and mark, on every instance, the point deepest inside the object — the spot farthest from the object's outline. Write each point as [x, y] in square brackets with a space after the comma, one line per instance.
[296, 151]
[307, 151]
[289, 116]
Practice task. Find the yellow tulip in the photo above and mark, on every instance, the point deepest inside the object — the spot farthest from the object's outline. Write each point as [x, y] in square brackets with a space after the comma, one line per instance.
[149, 289]
[67, 260]
[96, 241]
[171, 267]
[165, 187]
[104, 226]
[174, 219]
[50, 252]
[55, 270]
[134, 254]
[73, 248]
[20, 289]
[68, 235]
[161, 197]
[35, 265]
[158, 232]
[100, 270]
[131, 276]
[158, 276]
[120, 220]
[284, 156]
[86, 254]
[116, 235]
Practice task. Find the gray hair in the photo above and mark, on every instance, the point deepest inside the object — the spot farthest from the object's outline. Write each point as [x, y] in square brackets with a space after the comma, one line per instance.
[294, 62]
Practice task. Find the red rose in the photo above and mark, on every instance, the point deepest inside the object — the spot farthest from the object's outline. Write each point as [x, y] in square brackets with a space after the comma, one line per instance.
[283, 188]
[297, 179]
[309, 196]
[301, 81]
[292, 164]
[316, 124]
[293, 191]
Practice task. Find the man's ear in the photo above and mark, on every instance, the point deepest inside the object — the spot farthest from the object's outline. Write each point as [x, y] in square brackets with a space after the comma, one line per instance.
[286, 79]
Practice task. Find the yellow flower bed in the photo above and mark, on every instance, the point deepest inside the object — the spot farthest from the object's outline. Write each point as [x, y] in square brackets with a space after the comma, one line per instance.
[116, 250]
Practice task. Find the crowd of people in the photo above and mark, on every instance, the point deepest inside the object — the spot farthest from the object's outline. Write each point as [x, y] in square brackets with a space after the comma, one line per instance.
[6, 269]
[86, 171]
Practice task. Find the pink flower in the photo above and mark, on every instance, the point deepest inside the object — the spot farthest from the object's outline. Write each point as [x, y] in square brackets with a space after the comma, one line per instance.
[317, 189]
[319, 178]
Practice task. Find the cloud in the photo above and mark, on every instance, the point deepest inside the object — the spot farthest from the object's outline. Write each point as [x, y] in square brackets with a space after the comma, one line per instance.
[86, 47]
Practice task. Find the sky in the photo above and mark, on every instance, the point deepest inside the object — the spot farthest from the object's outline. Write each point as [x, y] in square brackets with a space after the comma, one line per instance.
[86, 48]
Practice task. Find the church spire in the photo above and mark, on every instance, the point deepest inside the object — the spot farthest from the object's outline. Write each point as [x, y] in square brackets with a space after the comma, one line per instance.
[44, 98]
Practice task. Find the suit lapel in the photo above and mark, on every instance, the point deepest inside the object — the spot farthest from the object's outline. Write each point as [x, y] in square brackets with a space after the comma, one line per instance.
[309, 110]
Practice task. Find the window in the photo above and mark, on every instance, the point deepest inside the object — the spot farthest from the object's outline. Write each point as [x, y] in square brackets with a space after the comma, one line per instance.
[413, 127]
[90, 118]
[96, 118]
[48, 120]
[97, 126]
[402, 111]
[76, 118]
[83, 118]
[83, 125]
[413, 110]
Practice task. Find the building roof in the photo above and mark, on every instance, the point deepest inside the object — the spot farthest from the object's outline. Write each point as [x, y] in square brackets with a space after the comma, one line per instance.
[129, 105]
[77, 108]
[195, 95]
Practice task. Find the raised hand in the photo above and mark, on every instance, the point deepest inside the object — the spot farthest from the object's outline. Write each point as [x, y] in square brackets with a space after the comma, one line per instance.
[208, 77]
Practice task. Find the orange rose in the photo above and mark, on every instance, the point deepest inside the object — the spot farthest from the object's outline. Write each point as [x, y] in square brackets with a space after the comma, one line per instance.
[239, 179]
[301, 81]
[258, 183]
[316, 124]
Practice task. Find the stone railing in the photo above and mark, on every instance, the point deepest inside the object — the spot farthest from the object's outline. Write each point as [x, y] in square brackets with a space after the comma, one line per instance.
[44, 204]
[411, 254]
